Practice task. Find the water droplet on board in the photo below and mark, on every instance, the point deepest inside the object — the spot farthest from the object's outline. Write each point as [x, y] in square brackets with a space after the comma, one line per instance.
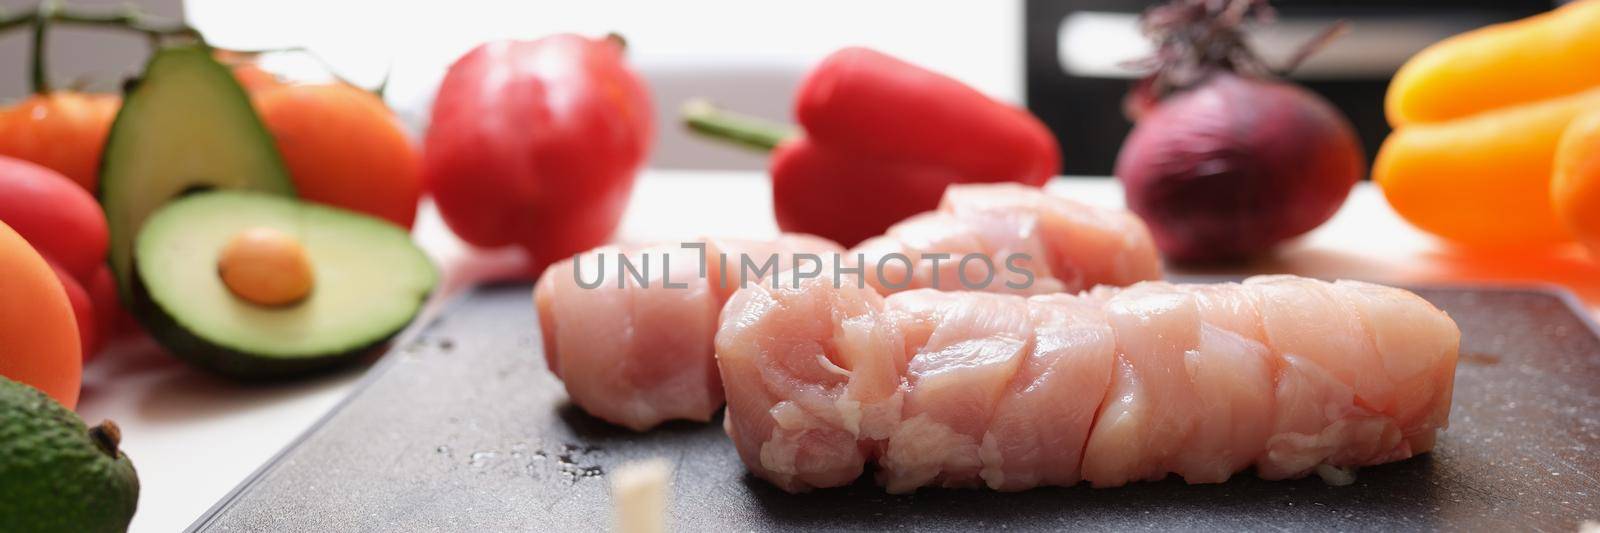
[571, 464]
[443, 449]
[482, 459]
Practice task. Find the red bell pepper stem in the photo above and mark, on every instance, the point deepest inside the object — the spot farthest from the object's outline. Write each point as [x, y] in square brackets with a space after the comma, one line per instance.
[761, 135]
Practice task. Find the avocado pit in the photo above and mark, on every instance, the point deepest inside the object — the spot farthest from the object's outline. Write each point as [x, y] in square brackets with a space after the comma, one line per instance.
[266, 267]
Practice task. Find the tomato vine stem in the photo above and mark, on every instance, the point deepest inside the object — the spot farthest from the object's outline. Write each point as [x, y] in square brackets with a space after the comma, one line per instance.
[50, 13]
[128, 18]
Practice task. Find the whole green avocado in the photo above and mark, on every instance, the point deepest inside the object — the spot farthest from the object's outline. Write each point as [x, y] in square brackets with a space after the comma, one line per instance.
[57, 475]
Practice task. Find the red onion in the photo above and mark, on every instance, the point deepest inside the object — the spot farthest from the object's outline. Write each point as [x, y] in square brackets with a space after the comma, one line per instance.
[1227, 161]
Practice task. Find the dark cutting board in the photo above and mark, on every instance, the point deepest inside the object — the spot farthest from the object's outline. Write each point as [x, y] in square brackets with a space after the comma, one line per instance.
[461, 428]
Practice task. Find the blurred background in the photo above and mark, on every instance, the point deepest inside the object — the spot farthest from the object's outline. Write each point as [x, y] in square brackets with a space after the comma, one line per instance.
[1062, 58]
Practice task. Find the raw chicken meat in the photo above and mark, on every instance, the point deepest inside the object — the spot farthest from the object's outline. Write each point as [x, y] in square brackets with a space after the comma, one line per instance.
[1069, 246]
[956, 389]
[637, 355]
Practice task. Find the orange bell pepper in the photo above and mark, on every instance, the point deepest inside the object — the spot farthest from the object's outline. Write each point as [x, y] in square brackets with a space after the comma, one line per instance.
[1477, 118]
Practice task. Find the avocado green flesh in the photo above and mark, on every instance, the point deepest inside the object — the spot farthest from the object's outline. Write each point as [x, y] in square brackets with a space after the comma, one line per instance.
[187, 125]
[370, 281]
[53, 476]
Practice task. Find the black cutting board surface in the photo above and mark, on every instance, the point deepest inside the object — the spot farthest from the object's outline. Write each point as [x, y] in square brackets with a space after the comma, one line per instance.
[461, 428]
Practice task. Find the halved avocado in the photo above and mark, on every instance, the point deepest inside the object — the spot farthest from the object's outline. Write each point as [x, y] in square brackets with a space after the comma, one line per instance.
[369, 282]
[187, 125]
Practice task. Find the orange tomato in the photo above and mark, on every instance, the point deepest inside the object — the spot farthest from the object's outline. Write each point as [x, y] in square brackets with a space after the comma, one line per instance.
[253, 78]
[344, 148]
[61, 130]
[250, 75]
[39, 342]
[1575, 185]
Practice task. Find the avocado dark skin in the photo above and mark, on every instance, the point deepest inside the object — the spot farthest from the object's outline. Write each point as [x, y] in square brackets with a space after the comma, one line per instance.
[57, 475]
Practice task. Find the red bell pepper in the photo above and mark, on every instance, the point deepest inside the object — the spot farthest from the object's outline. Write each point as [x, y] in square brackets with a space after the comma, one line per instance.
[882, 140]
[536, 144]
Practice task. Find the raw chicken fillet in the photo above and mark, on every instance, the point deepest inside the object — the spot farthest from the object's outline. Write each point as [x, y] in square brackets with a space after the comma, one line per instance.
[637, 355]
[1282, 374]
[1062, 245]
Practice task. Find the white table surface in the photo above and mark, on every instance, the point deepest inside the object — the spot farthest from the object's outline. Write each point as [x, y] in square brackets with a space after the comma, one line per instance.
[194, 437]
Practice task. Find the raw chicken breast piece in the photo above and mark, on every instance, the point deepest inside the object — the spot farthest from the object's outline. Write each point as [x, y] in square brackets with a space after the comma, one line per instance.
[728, 272]
[1311, 319]
[1319, 422]
[1086, 245]
[970, 346]
[639, 355]
[1233, 376]
[1233, 385]
[632, 356]
[1418, 350]
[1069, 246]
[1111, 386]
[1039, 427]
[932, 251]
[1153, 404]
[814, 378]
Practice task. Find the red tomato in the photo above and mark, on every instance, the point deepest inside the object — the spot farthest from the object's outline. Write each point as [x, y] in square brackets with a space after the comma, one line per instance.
[536, 143]
[82, 311]
[62, 130]
[110, 318]
[57, 217]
